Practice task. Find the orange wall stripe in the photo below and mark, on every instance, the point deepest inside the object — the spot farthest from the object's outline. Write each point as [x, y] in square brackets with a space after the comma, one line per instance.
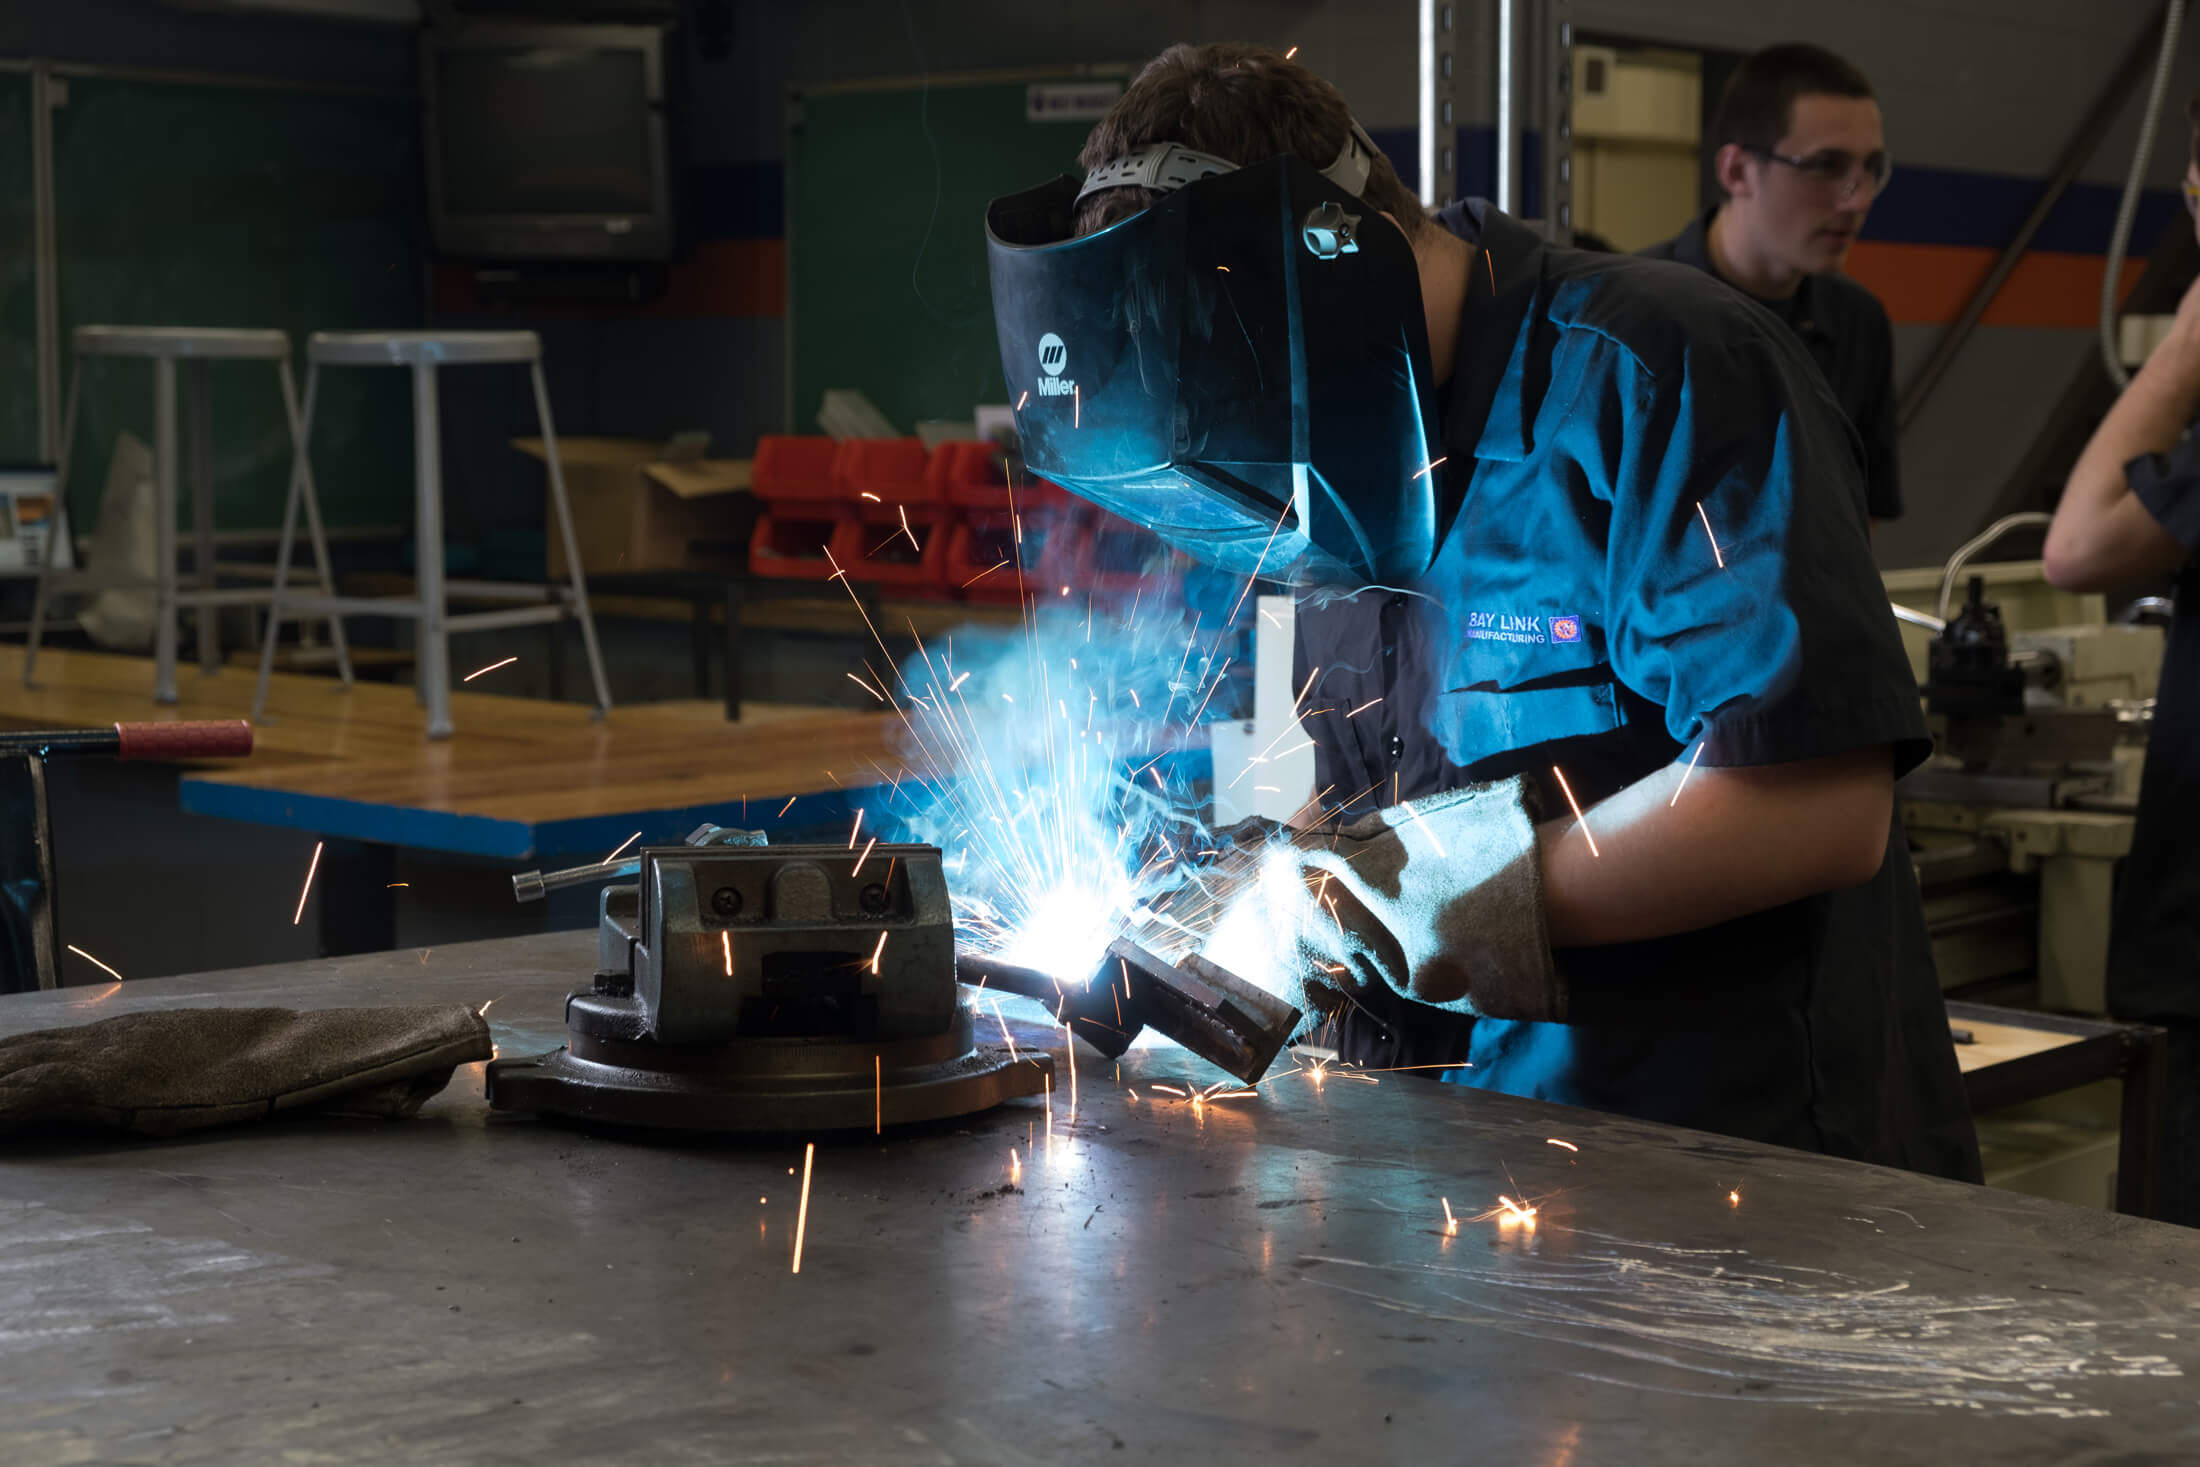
[1928, 284]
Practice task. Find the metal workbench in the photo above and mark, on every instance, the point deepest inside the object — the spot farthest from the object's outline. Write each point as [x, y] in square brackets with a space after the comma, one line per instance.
[1257, 1279]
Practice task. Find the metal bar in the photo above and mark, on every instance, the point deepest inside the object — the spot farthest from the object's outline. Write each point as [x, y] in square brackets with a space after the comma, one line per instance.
[45, 261]
[207, 628]
[2107, 103]
[511, 616]
[302, 471]
[164, 529]
[301, 432]
[398, 606]
[1508, 121]
[572, 543]
[433, 667]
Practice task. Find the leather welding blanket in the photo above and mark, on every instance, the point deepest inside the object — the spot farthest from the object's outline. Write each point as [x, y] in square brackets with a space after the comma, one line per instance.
[174, 1070]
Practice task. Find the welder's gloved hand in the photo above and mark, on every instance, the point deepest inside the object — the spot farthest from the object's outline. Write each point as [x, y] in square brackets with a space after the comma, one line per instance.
[173, 1070]
[1438, 900]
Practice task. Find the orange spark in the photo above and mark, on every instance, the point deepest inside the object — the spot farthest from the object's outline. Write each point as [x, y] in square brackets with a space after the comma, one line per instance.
[876, 951]
[1715, 552]
[852, 830]
[1451, 1224]
[912, 534]
[1734, 1198]
[981, 575]
[1576, 804]
[725, 940]
[1567, 1145]
[1431, 464]
[1290, 53]
[783, 809]
[87, 957]
[1069, 1042]
[1355, 713]
[1022, 400]
[878, 1097]
[867, 494]
[492, 667]
[1691, 769]
[637, 835]
[859, 682]
[311, 867]
[802, 1212]
[867, 848]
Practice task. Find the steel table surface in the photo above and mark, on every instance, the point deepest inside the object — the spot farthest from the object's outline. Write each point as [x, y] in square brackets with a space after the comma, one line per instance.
[1255, 1279]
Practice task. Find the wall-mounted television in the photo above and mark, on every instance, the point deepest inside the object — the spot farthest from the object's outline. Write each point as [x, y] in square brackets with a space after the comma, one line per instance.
[547, 142]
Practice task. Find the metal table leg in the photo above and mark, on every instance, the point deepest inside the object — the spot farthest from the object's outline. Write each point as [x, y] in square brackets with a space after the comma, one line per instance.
[164, 529]
[736, 593]
[208, 620]
[2139, 1133]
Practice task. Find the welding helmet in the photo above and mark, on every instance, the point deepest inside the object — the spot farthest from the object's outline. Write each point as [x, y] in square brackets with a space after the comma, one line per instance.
[1243, 367]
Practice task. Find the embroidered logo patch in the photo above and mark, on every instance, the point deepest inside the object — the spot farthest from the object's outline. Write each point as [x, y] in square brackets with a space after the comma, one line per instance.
[1506, 626]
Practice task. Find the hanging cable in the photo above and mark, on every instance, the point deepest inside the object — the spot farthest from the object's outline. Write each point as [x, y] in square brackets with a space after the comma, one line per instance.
[2112, 357]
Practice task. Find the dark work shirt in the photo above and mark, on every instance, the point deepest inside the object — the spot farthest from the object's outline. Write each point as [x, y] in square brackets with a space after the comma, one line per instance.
[1606, 419]
[1847, 332]
[2154, 944]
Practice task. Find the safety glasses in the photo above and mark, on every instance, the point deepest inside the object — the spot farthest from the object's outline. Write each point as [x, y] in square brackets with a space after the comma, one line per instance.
[1836, 172]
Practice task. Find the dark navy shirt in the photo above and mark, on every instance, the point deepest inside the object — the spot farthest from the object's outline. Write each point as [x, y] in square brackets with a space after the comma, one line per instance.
[2154, 945]
[1653, 548]
[1848, 336]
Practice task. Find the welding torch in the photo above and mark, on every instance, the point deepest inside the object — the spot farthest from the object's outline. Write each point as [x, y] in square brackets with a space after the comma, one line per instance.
[1212, 1012]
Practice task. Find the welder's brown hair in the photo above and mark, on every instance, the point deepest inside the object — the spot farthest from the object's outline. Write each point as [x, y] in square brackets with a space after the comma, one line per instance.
[1237, 101]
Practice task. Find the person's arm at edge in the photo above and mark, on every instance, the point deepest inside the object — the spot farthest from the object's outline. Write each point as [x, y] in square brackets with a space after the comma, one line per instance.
[1736, 840]
[2102, 537]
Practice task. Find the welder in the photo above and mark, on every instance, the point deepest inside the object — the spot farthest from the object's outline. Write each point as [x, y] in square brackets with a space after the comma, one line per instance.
[1570, 529]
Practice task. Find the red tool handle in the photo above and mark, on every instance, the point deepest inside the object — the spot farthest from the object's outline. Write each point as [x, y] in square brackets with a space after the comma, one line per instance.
[213, 739]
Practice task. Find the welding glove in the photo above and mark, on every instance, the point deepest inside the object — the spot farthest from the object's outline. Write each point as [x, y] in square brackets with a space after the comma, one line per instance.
[1439, 900]
[167, 1071]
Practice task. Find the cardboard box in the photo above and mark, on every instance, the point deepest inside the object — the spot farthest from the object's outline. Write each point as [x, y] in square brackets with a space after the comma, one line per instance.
[640, 505]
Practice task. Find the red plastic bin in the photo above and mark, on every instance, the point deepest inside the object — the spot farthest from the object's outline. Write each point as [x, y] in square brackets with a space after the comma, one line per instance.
[791, 468]
[885, 558]
[795, 542]
[987, 538]
[892, 470]
[974, 475]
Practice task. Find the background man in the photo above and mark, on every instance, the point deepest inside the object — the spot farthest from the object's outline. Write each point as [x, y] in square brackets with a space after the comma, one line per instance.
[1801, 157]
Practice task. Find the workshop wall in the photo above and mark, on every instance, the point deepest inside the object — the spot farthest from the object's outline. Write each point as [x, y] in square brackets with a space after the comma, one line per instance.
[1979, 99]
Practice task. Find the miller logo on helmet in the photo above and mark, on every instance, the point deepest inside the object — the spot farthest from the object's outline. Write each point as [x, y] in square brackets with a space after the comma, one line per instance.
[1053, 356]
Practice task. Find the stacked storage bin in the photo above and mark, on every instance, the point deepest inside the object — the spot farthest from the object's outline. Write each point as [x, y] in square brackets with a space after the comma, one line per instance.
[906, 522]
[996, 551]
[807, 525]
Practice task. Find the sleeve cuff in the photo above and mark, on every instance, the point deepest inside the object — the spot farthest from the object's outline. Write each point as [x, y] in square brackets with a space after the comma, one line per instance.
[2168, 485]
[1795, 731]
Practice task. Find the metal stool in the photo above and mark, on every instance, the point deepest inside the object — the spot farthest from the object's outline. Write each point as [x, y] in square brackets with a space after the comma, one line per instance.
[196, 347]
[424, 352]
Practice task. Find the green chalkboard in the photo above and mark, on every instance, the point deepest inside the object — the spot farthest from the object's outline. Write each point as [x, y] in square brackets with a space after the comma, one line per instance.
[187, 204]
[18, 276]
[887, 187]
